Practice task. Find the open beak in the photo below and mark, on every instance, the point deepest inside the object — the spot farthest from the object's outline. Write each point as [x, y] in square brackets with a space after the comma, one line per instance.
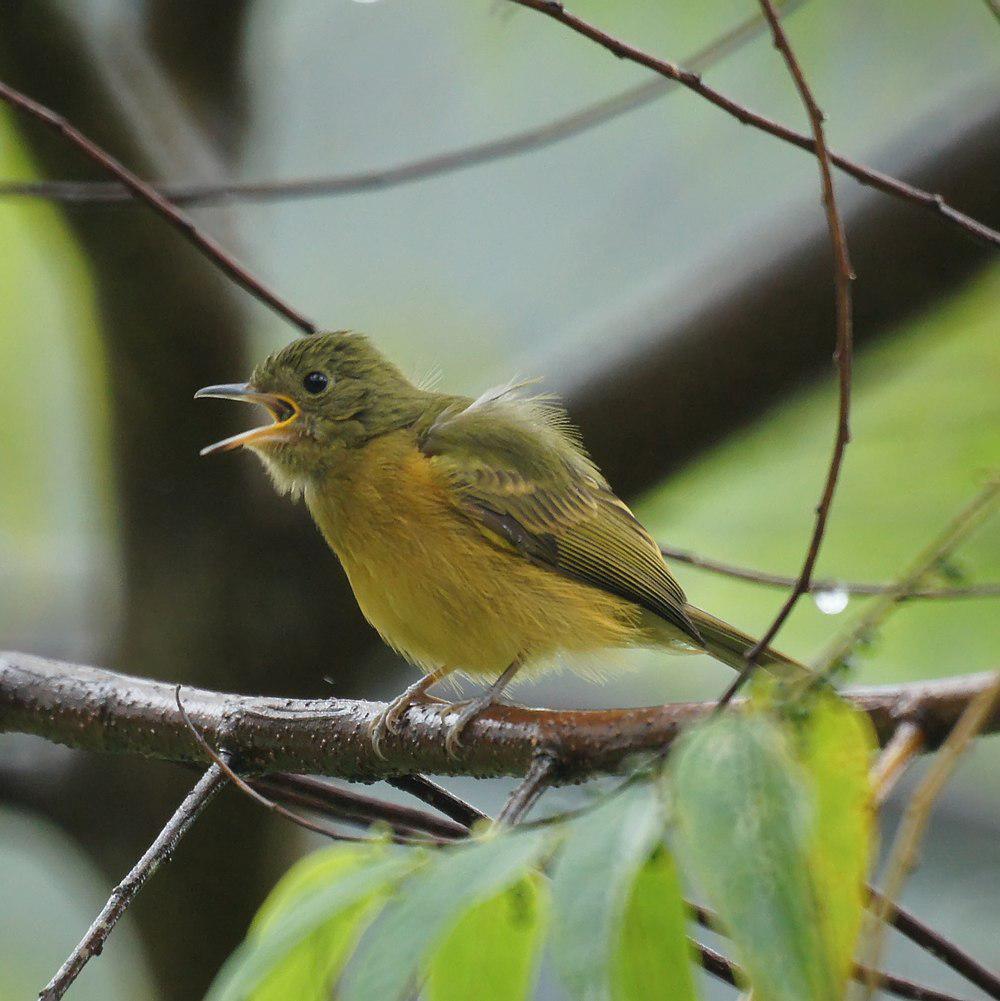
[283, 409]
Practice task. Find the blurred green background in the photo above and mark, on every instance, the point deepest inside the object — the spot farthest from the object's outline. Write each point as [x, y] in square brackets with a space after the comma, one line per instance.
[667, 273]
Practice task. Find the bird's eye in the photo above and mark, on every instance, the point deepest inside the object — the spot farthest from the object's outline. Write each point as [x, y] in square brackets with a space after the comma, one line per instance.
[315, 382]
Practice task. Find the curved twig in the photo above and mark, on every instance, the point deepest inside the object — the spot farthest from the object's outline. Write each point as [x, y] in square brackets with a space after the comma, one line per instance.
[843, 275]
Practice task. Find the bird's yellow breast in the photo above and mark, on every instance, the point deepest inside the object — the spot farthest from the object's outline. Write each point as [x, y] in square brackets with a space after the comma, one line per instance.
[432, 583]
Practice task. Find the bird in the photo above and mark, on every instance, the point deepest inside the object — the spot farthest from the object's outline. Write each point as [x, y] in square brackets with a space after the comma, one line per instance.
[478, 536]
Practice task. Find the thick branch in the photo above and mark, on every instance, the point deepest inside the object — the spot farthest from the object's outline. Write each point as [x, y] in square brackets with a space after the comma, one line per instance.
[100, 710]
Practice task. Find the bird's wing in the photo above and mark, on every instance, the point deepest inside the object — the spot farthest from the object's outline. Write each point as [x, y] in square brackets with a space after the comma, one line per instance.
[517, 470]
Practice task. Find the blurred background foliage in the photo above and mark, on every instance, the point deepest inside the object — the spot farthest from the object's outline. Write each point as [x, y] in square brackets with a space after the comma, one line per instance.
[585, 263]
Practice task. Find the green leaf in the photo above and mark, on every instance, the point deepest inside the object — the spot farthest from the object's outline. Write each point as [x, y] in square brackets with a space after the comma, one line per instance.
[745, 813]
[492, 953]
[654, 957]
[836, 747]
[304, 931]
[392, 954]
[592, 885]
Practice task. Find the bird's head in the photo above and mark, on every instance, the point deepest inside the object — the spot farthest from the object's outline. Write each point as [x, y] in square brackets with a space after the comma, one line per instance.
[325, 393]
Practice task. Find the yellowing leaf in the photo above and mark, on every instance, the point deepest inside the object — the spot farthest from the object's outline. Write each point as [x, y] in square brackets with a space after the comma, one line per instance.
[745, 813]
[835, 748]
[492, 953]
[653, 961]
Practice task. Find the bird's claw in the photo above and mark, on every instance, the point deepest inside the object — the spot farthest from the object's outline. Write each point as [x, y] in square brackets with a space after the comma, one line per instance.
[467, 712]
[389, 721]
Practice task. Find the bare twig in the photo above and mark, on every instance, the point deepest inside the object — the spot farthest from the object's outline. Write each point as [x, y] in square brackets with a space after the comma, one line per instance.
[895, 758]
[937, 945]
[728, 972]
[538, 778]
[987, 590]
[438, 797]
[527, 140]
[965, 522]
[124, 893]
[208, 246]
[903, 857]
[498, 149]
[351, 807]
[842, 276]
[693, 82]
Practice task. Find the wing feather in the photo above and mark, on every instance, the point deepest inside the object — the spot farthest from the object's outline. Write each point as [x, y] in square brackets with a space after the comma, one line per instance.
[518, 471]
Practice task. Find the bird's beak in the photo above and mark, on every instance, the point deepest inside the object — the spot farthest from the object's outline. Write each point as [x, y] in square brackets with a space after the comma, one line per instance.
[283, 409]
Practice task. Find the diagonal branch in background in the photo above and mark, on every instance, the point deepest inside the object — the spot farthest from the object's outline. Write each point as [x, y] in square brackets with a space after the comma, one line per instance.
[693, 82]
[99, 710]
[498, 149]
[159, 851]
[843, 275]
[208, 246]
[987, 590]
[528, 140]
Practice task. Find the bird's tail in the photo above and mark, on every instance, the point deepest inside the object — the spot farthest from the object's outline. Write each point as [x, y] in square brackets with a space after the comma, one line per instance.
[730, 646]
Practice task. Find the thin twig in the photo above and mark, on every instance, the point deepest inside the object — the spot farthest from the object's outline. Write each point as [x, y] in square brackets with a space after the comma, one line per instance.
[124, 893]
[988, 590]
[968, 519]
[994, 8]
[208, 246]
[843, 275]
[693, 82]
[352, 807]
[724, 969]
[903, 857]
[498, 149]
[527, 140]
[908, 924]
[269, 804]
[523, 798]
[440, 798]
[896, 756]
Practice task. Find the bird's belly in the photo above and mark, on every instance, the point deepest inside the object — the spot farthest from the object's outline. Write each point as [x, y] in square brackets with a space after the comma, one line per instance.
[444, 596]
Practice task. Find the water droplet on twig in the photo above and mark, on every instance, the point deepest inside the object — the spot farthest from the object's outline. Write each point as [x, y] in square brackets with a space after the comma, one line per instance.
[831, 601]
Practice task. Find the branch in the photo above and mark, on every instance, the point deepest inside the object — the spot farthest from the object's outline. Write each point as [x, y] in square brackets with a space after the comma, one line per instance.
[506, 147]
[843, 275]
[693, 82]
[124, 893]
[503, 148]
[208, 246]
[438, 797]
[987, 590]
[99, 710]
[354, 808]
[539, 777]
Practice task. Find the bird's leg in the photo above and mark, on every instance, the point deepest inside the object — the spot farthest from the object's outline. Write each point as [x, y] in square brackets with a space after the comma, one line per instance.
[471, 709]
[388, 720]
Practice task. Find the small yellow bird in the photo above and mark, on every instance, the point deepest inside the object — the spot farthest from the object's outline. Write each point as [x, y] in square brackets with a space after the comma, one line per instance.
[477, 535]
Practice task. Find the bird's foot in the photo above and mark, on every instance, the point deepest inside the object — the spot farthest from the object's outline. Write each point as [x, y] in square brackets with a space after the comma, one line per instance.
[466, 712]
[389, 721]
